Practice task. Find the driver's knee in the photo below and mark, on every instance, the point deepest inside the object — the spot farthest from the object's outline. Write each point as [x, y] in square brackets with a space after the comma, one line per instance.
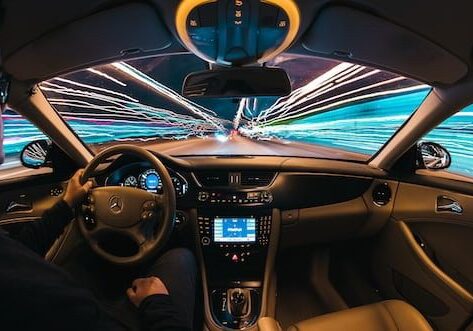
[177, 269]
[175, 263]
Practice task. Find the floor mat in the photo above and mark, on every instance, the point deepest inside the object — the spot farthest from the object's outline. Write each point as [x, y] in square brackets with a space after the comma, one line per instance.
[349, 272]
[296, 300]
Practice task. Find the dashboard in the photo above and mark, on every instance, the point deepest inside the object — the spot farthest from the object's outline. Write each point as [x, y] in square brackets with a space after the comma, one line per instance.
[141, 176]
[316, 200]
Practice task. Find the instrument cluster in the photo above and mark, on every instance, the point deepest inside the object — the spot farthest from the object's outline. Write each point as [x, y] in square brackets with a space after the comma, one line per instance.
[149, 180]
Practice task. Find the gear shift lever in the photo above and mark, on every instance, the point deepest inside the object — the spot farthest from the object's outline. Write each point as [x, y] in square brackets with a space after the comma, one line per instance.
[239, 302]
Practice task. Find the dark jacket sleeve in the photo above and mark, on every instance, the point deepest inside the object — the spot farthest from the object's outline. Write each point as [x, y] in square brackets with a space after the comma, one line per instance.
[39, 236]
[157, 312]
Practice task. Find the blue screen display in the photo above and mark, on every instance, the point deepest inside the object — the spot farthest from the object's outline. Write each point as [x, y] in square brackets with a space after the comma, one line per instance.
[235, 229]
[152, 182]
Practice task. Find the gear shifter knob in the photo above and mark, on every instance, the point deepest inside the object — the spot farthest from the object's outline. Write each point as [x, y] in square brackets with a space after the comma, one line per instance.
[238, 297]
[239, 300]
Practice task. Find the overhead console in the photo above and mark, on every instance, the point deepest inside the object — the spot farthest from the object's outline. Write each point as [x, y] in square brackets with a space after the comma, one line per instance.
[237, 32]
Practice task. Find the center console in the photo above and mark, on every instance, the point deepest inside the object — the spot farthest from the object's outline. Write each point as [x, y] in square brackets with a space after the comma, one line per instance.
[234, 243]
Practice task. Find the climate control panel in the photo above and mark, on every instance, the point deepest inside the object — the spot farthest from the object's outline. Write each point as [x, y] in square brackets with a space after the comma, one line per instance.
[235, 198]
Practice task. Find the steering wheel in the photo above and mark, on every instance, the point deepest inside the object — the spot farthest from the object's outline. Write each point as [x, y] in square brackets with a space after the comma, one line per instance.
[127, 212]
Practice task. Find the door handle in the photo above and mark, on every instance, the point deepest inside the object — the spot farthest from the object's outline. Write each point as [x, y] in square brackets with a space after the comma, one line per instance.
[448, 205]
[22, 203]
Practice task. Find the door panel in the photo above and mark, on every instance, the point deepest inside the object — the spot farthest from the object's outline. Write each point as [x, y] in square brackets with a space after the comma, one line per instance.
[424, 255]
[25, 200]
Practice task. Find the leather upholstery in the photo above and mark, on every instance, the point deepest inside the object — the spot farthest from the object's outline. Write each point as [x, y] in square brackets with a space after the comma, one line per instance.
[388, 315]
[268, 324]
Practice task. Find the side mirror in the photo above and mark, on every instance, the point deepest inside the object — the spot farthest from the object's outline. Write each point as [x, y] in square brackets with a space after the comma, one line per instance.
[36, 154]
[432, 156]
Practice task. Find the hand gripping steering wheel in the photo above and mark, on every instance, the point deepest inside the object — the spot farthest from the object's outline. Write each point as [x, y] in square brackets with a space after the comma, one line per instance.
[145, 218]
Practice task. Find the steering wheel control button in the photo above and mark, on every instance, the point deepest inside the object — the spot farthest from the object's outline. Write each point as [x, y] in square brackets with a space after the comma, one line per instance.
[149, 205]
[205, 241]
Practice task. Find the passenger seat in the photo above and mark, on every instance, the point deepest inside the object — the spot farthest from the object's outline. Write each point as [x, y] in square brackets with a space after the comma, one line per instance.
[387, 315]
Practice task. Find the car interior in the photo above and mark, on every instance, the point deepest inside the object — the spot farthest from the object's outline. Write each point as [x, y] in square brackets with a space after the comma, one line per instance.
[315, 156]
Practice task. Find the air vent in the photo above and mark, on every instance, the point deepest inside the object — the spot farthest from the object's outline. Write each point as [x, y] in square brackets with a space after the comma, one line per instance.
[212, 179]
[255, 178]
[381, 194]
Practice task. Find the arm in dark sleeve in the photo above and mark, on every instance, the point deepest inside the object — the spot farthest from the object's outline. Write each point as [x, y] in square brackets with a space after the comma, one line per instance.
[157, 312]
[39, 236]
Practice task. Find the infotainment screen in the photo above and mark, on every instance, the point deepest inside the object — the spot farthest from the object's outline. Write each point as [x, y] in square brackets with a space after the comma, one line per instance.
[234, 229]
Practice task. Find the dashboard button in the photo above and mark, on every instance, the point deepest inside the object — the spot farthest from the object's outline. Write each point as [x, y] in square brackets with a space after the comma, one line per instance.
[203, 196]
[235, 258]
[205, 241]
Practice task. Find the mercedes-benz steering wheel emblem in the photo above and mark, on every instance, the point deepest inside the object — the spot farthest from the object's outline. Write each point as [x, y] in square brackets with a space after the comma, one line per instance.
[116, 204]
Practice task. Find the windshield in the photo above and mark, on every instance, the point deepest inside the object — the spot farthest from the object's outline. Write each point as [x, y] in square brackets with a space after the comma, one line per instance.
[337, 110]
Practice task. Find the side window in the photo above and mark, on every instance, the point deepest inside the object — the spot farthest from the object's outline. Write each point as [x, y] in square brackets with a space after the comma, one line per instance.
[456, 135]
[17, 133]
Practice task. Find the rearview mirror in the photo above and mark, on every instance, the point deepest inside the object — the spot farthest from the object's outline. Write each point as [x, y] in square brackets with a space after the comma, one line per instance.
[237, 83]
[432, 156]
[36, 154]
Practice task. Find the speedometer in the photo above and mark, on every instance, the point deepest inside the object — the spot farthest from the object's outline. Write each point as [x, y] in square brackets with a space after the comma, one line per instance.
[150, 181]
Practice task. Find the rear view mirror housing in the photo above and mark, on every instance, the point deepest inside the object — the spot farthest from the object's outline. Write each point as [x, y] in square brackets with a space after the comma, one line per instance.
[432, 156]
[237, 83]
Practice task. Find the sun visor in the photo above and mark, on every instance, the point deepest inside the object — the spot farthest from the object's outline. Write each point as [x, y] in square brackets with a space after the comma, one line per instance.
[346, 33]
[106, 36]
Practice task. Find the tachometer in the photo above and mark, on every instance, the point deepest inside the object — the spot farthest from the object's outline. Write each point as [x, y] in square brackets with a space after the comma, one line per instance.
[150, 181]
[131, 181]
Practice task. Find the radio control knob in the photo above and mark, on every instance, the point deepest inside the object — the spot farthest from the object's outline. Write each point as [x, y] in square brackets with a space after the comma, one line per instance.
[203, 196]
[205, 241]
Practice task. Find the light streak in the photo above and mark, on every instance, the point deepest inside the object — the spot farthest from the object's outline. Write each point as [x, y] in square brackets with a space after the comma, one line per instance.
[106, 76]
[349, 107]
[108, 115]
[167, 92]
[87, 86]
[221, 137]
[241, 107]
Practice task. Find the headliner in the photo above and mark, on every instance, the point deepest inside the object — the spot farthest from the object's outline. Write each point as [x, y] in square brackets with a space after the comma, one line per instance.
[448, 26]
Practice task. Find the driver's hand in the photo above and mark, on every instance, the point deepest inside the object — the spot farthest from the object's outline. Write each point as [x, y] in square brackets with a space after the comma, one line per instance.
[144, 287]
[75, 192]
